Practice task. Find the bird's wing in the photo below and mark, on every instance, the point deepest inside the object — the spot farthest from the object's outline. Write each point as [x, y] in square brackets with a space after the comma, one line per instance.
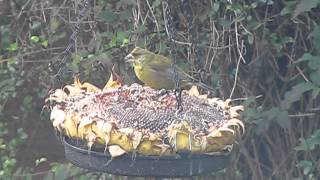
[163, 65]
[159, 63]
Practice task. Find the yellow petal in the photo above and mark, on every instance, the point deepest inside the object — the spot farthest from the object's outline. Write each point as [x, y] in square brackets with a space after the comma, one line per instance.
[70, 126]
[193, 91]
[116, 151]
[85, 121]
[136, 139]
[90, 88]
[115, 81]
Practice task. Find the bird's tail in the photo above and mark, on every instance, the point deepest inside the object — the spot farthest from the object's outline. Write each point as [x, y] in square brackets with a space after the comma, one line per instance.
[206, 87]
[189, 81]
[192, 81]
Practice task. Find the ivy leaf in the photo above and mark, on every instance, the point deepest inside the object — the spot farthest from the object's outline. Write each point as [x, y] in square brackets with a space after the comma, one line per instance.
[140, 29]
[125, 15]
[307, 166]
[277, 115]
[310, 143]
[224, 22]
[304, 6]
[283, 119]
[107, 34]
[13, 47]
[315, 92]
[108, 16]
[288, 9]
[216, 6]
[295, 94]
[36, 25]
[315, 77]
[307, 57]
[45, 43]
[12, 60]
[313, 61]
[34, 39]
[316, 37]
[121, 36]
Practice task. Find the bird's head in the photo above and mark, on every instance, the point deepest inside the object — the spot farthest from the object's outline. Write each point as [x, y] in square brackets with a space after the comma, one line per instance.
[138, 55]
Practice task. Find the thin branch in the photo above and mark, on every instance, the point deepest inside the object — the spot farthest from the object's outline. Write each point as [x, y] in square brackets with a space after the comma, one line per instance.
[155, 20]
[302, 115]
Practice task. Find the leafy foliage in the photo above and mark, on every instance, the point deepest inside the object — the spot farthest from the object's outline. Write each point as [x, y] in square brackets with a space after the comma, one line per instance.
[266, 52]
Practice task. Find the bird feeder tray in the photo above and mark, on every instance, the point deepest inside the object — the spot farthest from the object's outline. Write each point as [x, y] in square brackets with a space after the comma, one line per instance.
[180, 165]
[136, 130]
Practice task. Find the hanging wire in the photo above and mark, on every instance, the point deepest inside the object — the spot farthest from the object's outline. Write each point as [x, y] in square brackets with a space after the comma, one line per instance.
[171, 32]
[186, 9]
[58, 68]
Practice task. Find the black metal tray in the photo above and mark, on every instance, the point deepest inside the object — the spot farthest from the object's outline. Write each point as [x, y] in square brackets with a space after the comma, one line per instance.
[182, 165]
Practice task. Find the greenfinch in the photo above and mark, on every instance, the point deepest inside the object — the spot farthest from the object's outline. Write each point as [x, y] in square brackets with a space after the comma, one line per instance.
[156, 71]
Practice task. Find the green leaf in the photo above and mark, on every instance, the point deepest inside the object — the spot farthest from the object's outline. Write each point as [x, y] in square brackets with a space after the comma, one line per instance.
[125, 42]
[315, 92]
[310, 143]
[54, 24]
[95, 43]
[283, 119]
[35, 25]
[225, 23]
[308, 166]
[113, 42]
[156, 3]
[315, 77]
[252, 115]
[140, 28]
[56, 37]
[34, 39]
[45, 43]
[5, 37]
[313, 61]
[254, 5]
[216, 6]
[316, 37]
[125, 14]
[307, 57]
[304, 6]
[27, 100]
[12, 60]
[108, 16]
[271, 114]
[295, 94]
[277, 115]
[104, 57]
[270, 2]
[107, 34]
[9, 163]
[41, 160]
[286, 10]
[121, 36]
[13, 47]
[314, 64]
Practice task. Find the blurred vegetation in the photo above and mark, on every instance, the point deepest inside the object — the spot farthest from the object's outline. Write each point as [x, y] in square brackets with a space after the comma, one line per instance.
[264, 54]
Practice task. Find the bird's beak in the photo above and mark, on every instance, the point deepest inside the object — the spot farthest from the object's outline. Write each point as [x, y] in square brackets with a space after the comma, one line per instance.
[129, 58]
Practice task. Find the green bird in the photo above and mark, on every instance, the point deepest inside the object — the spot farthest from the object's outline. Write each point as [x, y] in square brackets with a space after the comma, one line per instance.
[156, 70]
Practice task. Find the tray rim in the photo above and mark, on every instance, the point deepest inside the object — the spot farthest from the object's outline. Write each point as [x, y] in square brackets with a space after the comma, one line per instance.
[182, 155]
[202, 159]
